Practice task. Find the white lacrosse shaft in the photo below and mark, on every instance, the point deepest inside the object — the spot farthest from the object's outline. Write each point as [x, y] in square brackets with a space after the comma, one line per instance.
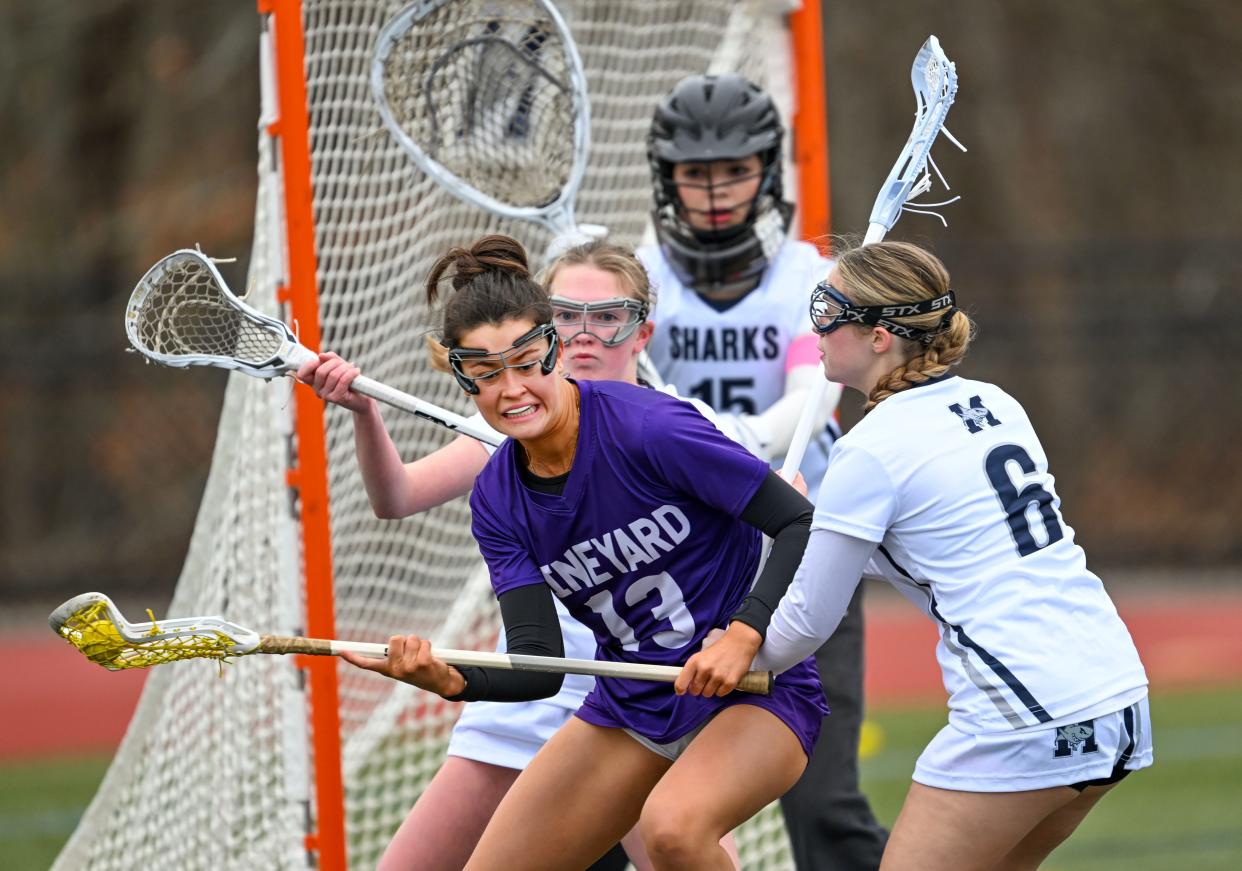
[759, 682]
[819, 391]
[933, 102]
[299, 354]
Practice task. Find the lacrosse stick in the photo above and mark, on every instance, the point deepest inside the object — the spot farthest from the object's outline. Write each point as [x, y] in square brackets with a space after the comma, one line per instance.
[935, 84]
[96, 627]
[489, 99]
[183, 314]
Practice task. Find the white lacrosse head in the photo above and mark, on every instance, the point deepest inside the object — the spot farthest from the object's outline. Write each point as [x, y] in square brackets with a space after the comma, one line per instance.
[489, 98]
[182, 313]
[934, 78]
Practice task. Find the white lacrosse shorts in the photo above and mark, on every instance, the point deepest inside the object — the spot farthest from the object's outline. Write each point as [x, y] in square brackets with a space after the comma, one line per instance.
[1100, 750]
[508, 734]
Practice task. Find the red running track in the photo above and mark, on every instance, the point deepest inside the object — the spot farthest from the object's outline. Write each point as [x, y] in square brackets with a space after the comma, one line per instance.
[1185, 642]
[58, 703]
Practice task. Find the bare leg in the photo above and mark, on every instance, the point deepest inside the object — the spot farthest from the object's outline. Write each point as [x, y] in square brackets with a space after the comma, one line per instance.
[743, 759]
[968, 831]
[633, 844]
[445, 823]
[578, 796]
[1052, 831]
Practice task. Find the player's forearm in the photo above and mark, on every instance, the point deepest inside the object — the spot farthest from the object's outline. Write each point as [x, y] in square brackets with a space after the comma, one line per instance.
[443, 475]
[782, 513]
[383, 472]
[397, 489]
[780, 420]
[816, 601]
[532, 628]
[768, 434]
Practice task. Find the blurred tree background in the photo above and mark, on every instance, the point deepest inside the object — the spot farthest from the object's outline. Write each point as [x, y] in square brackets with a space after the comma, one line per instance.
[129, 131]
[1098, 244]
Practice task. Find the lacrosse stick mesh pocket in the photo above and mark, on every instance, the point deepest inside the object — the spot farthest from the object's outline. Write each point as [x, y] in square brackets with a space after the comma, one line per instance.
[92, 630]
[185, 313]
[489, 97]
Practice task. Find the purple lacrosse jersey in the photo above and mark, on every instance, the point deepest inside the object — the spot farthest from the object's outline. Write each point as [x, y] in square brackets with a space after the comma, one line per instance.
[645, 547]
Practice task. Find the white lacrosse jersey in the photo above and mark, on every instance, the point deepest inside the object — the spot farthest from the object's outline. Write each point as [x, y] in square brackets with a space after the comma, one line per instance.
[952, 482]
[734, 360]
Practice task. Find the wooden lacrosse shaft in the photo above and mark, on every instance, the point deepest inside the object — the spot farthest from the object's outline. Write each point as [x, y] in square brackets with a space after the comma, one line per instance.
[758, 682]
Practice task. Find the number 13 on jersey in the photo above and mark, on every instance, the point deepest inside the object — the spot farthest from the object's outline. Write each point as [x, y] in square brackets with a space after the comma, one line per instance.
[669, 605]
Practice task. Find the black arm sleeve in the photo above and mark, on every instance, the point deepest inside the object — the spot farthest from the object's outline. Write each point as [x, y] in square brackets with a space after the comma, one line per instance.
[532, 628]
[784, 515]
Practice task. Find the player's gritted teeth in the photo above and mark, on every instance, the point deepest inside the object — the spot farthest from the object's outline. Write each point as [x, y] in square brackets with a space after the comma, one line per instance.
[520, 412]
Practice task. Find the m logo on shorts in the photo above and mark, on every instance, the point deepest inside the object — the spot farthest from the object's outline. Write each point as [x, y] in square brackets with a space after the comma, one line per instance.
[1073, 737]
[974, 416]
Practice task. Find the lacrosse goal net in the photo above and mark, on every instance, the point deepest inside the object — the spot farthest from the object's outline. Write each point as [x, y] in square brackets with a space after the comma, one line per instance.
[225, 767]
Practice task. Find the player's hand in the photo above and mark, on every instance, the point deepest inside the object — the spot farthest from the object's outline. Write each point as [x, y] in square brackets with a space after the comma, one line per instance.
[410, 660]
[797, 482]
[330, 376]
[723, 661]
[711, 638]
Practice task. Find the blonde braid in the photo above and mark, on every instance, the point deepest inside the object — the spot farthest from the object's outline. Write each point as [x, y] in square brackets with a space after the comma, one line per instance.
[945, 351]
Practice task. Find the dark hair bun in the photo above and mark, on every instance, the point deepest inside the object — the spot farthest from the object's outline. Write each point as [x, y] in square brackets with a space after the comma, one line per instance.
[493, 253]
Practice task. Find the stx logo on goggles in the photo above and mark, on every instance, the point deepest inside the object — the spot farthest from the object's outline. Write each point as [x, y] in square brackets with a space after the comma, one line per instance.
[922, 308]
[830, 309]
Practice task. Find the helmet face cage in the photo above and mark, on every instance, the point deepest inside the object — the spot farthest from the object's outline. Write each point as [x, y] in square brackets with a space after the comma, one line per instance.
[486, 365]
[611, 321]
[705, 119]
[710, 118]
[831, 310]
[672, 206]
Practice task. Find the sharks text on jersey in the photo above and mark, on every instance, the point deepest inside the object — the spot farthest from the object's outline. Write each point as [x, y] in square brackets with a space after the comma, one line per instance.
[725, 344]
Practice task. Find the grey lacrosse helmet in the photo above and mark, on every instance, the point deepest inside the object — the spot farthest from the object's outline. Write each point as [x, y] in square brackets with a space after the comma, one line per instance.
[706, 118]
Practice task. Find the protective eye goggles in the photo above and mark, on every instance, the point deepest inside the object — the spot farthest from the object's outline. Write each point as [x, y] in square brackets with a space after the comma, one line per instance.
[831, 309]
[473, 365]
[612, 321]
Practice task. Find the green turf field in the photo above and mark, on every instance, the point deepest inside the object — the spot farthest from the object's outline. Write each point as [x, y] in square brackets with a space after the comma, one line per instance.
[1185, 812]
[40, 803]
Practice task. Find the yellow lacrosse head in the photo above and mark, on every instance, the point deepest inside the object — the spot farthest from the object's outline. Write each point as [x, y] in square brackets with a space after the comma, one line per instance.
[94, 625]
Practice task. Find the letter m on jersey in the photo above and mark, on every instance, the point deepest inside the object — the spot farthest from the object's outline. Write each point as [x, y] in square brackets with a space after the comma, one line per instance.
[975, 415]
[1075, 736]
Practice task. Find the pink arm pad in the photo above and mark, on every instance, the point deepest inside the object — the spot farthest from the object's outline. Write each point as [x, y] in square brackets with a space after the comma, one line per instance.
[803, 351]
